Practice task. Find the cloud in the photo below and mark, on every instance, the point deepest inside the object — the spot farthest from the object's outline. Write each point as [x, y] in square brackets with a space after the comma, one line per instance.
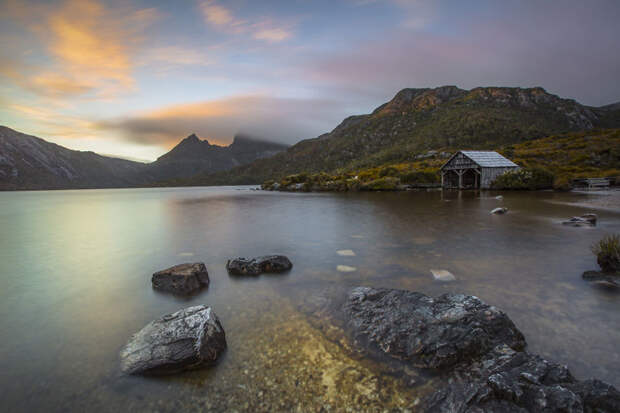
[278, 119]
[570, 57]
[91, 46]
[224, 20]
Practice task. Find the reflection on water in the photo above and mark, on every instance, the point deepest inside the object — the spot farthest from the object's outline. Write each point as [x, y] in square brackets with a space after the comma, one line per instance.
[75, 270]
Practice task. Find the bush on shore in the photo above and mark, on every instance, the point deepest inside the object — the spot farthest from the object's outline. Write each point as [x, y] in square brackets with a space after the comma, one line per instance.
[528, 179]
[607, 252]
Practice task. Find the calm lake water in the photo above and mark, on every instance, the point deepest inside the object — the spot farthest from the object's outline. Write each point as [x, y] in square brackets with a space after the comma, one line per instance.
[75, 271]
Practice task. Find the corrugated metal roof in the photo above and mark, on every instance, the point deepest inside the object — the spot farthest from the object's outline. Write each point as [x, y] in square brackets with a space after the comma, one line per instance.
[489, 159]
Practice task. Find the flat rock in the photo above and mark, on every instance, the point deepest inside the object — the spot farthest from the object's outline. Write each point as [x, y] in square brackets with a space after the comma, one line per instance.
[187, 339]
[345, 268]
[443, 275]
[182, 278]
[346, 253]
[423, 331]
[256, 266]
[505, 380]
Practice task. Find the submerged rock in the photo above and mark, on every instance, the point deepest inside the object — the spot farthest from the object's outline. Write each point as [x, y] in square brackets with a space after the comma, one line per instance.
[505, 380]
[586, 220]
[345, 268]
[256, 266]
[500, 210]
[182, 278]
[443, 275]
[427, 332]
[601, 277]
[184, 340]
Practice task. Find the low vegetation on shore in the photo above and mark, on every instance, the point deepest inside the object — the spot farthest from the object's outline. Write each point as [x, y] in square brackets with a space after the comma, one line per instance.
[551, 162]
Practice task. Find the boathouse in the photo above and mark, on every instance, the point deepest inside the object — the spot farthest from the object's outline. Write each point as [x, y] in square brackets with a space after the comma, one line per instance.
[474, 169]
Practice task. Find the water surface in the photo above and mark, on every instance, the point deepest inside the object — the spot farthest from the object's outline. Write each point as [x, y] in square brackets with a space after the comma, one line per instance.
[75, 270]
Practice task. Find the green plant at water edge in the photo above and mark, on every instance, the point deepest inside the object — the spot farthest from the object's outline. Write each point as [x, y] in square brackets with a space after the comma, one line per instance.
[532, 179]
[607, 252]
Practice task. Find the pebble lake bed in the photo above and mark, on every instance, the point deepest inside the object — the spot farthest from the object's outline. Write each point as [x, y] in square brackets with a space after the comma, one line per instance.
[75, 291]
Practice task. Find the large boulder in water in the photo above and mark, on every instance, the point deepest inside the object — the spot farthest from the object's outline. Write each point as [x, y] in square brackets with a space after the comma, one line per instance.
[182, 278]
[184, 340]
[427, 332]
[256, 266]
[505, 380]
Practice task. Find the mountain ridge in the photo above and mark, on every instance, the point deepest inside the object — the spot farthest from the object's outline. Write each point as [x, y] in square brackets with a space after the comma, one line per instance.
[28, 162]
[422, 119]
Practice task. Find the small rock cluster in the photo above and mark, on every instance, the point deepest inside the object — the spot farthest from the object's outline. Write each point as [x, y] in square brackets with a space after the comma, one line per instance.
[192, 337]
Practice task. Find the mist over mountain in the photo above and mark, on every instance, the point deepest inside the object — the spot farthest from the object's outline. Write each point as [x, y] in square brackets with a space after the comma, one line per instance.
[418, 120]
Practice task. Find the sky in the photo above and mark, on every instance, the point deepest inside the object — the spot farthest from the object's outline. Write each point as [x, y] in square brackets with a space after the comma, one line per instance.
[132, 78]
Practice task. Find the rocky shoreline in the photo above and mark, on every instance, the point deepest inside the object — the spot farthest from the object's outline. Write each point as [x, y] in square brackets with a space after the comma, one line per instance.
[475, 348]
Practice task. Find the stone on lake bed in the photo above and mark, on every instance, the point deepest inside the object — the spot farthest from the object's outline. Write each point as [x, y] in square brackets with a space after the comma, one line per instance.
[184, 340]
[256, 266]
[499, 197]
[345, 268]
[346, 253]
[181, 279]
[499, 211]
[443, 275]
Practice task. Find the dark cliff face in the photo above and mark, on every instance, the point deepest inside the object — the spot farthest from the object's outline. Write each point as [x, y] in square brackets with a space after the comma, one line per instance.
[418, 120]
[194, 156]
[28, 162]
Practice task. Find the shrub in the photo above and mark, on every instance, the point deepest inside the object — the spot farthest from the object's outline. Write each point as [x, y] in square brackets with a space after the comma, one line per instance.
[532, 179]
[563, 183]
[382, 184]
[607, 252]
[420, 177]
[388, 171]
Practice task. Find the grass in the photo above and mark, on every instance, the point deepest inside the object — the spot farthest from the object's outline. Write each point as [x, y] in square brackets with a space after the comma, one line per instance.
[607, 252]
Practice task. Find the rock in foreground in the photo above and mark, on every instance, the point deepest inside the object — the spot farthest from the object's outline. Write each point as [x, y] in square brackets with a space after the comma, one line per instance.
[182, 278]
[184, 340]
[256, 266]
[499, 211]
[427, 332]
[516, 382]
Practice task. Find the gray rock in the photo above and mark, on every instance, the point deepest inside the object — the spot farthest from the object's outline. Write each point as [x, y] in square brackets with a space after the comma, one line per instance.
[586, 220]
[182, 278]
[426, 332]
[612, 280]
[505, 380]
[256, 266]
[500, 210]
[184, 340]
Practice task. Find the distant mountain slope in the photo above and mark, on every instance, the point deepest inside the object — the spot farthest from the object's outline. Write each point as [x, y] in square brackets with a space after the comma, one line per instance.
[194, 156]
[418, 120]
[28, 162]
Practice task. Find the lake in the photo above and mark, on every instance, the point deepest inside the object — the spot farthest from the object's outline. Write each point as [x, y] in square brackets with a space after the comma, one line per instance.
[75, 271]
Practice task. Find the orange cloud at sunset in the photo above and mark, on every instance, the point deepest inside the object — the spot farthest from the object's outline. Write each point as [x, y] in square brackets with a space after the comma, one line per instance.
[91, 46]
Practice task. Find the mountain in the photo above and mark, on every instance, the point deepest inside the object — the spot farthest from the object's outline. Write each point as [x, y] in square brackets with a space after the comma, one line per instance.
[193, 156]
[28, 162]
[418, 120]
